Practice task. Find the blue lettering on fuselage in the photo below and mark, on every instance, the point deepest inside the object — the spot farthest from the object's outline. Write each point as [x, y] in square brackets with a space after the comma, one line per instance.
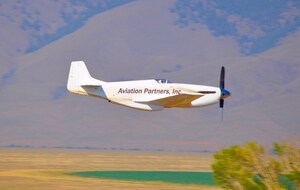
[143, 91]
[156, 91]
[130, 91]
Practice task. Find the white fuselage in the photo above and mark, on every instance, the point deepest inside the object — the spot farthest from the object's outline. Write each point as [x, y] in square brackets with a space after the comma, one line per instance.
[152, 95]
[136, 93]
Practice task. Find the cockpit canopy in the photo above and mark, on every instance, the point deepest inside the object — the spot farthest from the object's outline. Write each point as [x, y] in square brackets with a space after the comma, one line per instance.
[163, 81]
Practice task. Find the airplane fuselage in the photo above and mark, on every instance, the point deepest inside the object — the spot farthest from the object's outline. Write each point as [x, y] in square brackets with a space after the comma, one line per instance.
[151, 95]
[135, 94]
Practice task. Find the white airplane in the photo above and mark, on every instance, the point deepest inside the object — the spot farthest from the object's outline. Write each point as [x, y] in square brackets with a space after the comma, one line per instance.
[150, 95]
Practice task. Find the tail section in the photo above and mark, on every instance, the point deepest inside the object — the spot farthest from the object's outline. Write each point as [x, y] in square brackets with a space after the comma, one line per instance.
[80, 77]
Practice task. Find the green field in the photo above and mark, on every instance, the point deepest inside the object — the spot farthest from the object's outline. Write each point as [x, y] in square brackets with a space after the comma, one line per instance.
[178, 177]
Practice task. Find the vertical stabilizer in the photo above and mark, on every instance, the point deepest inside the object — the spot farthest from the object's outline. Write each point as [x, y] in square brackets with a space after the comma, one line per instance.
[79, 76]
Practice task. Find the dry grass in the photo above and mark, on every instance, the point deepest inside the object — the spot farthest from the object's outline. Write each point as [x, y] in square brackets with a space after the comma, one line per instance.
[30, 169]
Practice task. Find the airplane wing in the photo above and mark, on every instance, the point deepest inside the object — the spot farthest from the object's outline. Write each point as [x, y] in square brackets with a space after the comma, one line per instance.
[183, 99]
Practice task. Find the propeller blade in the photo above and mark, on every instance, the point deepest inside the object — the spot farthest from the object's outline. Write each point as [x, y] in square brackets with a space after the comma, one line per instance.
[224, 93]
[222, 86]
[222, 114]
[222, 78]
[221, 102]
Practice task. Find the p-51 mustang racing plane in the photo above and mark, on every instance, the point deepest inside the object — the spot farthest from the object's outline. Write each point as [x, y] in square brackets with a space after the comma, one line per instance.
[150, 95]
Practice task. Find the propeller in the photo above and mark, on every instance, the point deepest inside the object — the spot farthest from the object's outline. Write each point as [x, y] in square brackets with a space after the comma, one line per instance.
[224, 93]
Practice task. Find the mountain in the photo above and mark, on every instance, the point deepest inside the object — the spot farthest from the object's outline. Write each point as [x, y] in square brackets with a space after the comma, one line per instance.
[141, 40]
[30, 25]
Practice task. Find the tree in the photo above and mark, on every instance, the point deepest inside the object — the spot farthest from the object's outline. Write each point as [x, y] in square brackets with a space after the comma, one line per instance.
[229, 171]
[290, 159]
[251, 167]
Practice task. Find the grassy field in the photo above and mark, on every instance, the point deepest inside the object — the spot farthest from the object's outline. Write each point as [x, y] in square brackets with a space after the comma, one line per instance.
[30, 169]
[183, 177]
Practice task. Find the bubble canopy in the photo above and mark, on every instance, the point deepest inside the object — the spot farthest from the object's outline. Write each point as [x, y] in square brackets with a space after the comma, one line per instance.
[163, 81]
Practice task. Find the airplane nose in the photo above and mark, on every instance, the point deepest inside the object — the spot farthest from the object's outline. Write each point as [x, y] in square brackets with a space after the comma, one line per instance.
[224, 93]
